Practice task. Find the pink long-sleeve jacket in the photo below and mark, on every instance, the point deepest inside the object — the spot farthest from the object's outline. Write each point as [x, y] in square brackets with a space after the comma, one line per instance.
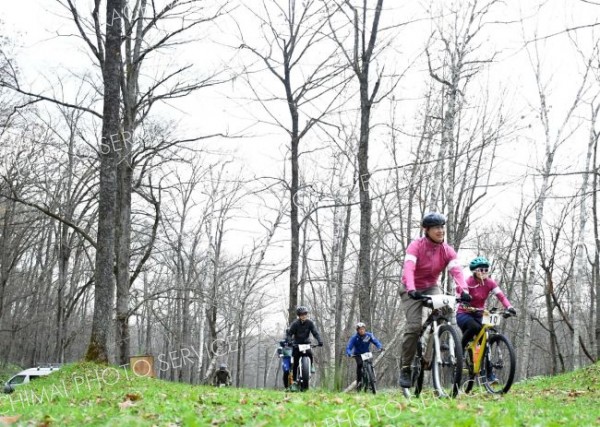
[479, 292]
[424, 262]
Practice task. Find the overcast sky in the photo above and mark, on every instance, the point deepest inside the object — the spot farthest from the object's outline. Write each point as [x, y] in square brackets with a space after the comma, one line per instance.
[44, 51]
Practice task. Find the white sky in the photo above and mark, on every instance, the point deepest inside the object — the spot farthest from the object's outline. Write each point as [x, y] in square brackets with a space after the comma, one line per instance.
[33, 24]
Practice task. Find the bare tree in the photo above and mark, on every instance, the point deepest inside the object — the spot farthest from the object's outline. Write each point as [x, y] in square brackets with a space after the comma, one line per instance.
[301, 62]
[110, 60]
[360, 56]
[458, 32]
[552, 143]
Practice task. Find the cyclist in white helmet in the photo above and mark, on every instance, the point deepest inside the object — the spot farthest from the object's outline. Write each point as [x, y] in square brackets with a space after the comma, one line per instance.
[359, 343]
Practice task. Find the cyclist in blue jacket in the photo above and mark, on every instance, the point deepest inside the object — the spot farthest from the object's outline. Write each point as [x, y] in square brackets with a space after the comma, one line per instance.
[359, 343]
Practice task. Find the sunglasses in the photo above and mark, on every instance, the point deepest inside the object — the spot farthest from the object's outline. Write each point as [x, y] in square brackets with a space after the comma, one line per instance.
[482, 270]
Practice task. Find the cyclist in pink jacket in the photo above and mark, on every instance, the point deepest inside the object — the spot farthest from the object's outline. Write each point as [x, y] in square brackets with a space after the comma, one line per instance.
[480, 287]
[425, 260]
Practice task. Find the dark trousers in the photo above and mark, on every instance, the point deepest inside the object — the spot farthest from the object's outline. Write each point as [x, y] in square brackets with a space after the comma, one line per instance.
[470, 325]
[359, 368]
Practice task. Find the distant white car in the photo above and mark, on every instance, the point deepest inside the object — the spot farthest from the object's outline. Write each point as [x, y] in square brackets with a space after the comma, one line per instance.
[28, 375]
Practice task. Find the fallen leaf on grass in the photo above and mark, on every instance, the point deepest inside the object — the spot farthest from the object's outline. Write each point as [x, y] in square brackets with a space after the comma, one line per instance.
[576, 393]
[126, 404]
[10, 420]
[46, 423]
[133, 396]
[461, 406]
[338, 400]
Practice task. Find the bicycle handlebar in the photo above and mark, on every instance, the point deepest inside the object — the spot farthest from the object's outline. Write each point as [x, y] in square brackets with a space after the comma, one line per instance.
[357, 355]
[427, 300]
[311, 345]
[504, 312]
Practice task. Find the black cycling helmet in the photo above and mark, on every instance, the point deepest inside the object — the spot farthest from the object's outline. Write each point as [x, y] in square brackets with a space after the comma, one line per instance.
[360, 325]
[301, 310]
[433, 219]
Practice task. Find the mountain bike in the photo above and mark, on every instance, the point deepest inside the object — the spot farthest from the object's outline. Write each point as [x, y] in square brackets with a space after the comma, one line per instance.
[303, 368]
[368, 373]
[438, 349]
[490, 357]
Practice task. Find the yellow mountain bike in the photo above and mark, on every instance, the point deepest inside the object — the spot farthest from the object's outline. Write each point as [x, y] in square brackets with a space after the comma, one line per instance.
[490, 358]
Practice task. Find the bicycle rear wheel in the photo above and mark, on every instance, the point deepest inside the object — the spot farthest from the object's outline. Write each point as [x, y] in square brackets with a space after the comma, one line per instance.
[502, 361]
[447, 368]
[370, 377]
[305, 370]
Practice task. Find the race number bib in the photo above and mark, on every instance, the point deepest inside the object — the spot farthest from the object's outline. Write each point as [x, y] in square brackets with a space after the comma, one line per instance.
[491, 319]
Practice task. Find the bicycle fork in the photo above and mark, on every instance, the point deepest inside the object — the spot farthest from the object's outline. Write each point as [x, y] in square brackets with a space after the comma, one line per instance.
[433, 343]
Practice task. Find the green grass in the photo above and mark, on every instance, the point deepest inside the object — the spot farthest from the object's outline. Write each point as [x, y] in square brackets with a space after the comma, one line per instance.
[7, 371]
[87, 394]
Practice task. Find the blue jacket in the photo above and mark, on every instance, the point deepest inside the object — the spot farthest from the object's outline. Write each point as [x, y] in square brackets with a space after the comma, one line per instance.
[361, 344]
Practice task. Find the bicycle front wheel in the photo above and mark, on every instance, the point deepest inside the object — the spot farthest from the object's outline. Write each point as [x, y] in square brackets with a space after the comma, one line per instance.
[447, 368]
[305, 367]
[370, 374]
[502, 362]
[470, 381]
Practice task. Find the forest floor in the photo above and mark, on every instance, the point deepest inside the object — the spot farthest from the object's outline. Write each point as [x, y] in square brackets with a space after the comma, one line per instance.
[86, 394]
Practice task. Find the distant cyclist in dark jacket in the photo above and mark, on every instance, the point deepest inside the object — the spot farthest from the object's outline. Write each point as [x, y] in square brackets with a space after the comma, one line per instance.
[299, 333]
[359, 343]
[222, 376]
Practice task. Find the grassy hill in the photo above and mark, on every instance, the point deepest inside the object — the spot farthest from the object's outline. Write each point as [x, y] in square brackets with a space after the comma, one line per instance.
[88, 394]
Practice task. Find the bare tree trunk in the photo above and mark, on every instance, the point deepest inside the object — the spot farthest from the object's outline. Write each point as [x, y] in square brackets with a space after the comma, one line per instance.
[579, 275]
[551, 145]
[64, 253]
[292, 40]
[294, 223]
[361, 59]
[339, 302]
[123, 252]
[551, 328]
[104, 275]
[596, 275]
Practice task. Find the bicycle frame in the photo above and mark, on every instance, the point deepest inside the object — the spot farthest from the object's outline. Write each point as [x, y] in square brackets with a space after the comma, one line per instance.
[495, 354]
[434, 321]
[488, 324]
[437, 324]
[367, 359]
